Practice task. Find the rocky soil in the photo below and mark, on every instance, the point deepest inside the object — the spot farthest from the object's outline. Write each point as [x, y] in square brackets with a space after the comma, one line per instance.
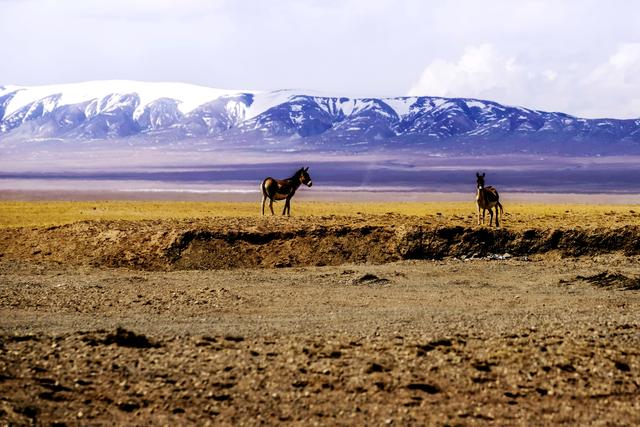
[272, 242]
[360, 321]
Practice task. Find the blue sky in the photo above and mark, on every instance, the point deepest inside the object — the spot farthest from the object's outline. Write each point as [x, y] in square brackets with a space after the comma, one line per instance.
[581, 57]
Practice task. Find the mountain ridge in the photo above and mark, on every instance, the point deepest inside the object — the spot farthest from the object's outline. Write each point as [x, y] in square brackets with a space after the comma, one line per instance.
[172, 111]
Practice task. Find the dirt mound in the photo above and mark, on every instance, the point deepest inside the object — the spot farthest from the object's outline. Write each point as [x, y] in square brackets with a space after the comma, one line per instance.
[609, 280]
[122, 337]
[370, 279]
[222, 243]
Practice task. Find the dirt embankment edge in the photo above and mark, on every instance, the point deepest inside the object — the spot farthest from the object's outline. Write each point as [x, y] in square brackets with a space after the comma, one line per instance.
[241, 243]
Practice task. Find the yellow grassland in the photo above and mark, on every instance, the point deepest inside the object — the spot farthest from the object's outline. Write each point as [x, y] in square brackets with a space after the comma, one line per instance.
[50, 213]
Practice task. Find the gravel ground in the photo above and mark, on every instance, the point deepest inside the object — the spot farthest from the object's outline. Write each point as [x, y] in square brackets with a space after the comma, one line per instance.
[543, 340]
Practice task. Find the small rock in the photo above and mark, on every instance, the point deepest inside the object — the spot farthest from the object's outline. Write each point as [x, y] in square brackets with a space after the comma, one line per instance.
[128, 406]
[369, 279]
[622, 366]
[427, 388]
[375, 367]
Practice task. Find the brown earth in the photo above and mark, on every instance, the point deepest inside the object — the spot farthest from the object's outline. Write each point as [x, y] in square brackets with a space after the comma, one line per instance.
[221, 243]
[376, 320]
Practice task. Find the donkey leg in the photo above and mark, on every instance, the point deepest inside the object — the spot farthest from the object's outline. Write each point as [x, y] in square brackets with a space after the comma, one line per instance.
[478, 215]
[497, 215]
[271, 206]
[490, 216]
[264, 199]
[287, 208]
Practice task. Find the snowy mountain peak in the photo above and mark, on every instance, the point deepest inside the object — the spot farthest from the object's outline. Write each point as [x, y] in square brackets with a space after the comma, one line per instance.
[189, 96]
[121, 108]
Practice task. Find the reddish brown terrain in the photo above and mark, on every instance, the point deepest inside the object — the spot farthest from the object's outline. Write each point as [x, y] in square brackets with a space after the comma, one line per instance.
[359, 320]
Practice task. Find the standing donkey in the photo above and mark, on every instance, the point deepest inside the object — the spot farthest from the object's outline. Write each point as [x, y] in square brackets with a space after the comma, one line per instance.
[284, 189]
[487, 198]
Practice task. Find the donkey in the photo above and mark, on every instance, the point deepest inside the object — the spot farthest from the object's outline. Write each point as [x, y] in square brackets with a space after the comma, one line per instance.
[284, 189]
[487, 198]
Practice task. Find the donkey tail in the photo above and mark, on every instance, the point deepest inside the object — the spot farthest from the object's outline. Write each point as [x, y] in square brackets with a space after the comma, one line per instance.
[263, 187]
[501, 208]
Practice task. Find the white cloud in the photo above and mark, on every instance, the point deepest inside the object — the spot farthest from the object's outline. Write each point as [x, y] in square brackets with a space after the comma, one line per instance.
[614, 85]
[621, 70]
[481, 71]
[610, 88]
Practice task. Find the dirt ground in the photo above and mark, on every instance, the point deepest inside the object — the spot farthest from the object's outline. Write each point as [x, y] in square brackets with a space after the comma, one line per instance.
[362, 320]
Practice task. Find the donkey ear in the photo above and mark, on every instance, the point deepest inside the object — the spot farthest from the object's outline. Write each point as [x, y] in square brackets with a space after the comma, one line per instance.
[477, 174]
[483, 174]
[307, 169]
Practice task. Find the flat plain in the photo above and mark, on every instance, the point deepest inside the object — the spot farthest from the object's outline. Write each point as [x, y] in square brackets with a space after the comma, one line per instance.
[202, 313]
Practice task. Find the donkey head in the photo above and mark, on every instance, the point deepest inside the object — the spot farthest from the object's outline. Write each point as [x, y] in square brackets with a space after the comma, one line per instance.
[305, 179]
[480, 180]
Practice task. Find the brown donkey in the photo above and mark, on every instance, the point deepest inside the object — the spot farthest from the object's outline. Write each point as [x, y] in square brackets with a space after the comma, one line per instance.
[284, 189]
[487, 198]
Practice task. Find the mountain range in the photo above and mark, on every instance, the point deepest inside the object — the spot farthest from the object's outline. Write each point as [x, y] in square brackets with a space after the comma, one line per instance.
[105, 110]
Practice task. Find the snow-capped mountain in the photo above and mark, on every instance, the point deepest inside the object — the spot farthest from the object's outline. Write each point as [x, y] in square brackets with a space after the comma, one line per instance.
[117, 109]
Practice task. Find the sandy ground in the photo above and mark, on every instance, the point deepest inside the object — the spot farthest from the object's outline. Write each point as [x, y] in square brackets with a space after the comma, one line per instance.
[547, 340]
[337, 320]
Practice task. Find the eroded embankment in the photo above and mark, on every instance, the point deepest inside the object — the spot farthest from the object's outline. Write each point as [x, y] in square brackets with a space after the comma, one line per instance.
[218, 243]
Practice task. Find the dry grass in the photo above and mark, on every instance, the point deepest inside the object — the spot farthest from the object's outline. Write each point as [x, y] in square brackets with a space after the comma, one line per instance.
[49, 213]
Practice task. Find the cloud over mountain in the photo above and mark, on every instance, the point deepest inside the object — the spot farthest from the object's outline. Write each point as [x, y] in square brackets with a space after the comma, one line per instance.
[610, 88]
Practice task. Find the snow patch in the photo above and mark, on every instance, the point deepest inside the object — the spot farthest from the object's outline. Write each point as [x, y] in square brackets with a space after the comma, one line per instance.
[348, 107]
[402, 106]
[437, 102]
[478, 104]
[266, 100]
[189, 96]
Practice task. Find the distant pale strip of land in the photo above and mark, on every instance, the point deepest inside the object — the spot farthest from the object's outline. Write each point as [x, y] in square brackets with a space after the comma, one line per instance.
[203, 193]
[563, 211]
